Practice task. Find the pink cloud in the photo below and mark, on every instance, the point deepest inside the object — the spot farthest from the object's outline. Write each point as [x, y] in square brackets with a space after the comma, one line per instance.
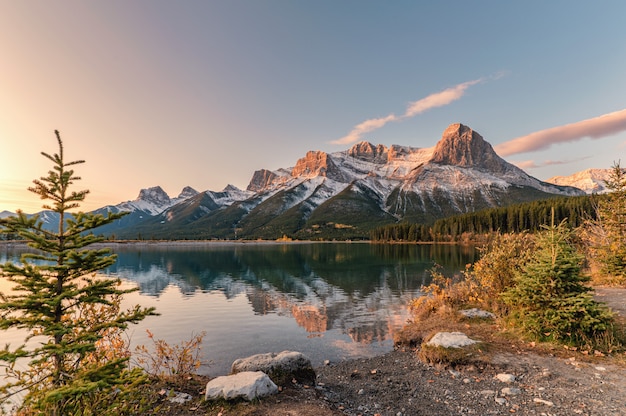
[439, 99]
[595, 128]
[414, 108]
[365, 127]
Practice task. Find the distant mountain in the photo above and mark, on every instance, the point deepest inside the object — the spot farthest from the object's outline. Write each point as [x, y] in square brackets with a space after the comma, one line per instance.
[347, 193]
[592, 181]
[149, 202]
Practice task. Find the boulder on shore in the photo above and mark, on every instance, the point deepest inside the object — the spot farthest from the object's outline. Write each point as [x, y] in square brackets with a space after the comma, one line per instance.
[247, 385]
[451, 340]
[282, 368]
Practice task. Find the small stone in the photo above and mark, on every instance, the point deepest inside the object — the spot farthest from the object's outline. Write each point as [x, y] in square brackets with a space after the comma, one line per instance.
[505, 378]
[488, 392]
[455, 374]
[510, 391]
[180, 398]
[500, 400]
[542, 401]
[600, 368]
[361, 392]
[467, 380]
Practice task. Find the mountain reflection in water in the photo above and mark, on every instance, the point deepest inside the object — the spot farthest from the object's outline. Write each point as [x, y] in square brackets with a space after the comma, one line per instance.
[328, 300]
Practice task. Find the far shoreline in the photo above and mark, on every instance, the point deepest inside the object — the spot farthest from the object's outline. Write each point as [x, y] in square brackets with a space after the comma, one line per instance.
[183, 243]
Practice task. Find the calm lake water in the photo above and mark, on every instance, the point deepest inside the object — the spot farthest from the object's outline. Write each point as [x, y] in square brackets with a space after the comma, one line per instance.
[331, 301]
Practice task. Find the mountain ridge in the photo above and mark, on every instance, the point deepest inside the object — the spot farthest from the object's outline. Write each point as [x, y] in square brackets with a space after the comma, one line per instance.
[346, 193]
[341, 194]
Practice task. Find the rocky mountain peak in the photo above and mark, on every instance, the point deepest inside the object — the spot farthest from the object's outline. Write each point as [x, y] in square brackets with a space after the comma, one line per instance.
[231, 188]
[368, 152]
[261, 179]
[318, 163]
[315, 163]
[155, 195]
[462, 146]
[187, 192]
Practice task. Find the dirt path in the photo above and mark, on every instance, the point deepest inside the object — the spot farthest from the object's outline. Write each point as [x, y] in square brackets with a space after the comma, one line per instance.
[614, 297]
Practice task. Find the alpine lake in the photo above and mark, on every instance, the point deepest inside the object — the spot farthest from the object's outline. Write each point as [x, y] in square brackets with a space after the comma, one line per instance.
[330, 301]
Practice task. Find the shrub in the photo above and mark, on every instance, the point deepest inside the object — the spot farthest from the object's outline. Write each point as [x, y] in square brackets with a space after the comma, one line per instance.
[550, 300]
[167, 362]
[481, 284]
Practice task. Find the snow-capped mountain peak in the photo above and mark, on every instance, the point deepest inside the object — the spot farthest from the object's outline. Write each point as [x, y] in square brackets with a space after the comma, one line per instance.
[186, 193]
[592, 181]
[155, 200]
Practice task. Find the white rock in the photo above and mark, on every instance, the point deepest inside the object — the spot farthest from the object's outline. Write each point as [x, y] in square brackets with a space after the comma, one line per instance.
[477, 313]
[500, 400]
[180, 398]
[450, 340]
[248, 385]
[505, 378]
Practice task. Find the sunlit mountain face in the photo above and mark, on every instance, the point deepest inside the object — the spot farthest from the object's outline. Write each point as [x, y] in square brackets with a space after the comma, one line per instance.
[341, 195]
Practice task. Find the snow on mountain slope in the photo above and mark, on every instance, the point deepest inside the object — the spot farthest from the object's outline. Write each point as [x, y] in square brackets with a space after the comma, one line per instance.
[154, 200]
[6, 214]
[592, 181]
[229, 195]
[461, 162]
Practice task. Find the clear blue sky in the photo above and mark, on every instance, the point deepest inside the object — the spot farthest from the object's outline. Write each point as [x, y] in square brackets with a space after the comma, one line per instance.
[203, 93]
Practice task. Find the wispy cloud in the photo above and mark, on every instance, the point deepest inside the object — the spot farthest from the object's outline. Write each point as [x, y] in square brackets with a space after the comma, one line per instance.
[438, 99]
[365, 127]
[531, 164]
[595, 128]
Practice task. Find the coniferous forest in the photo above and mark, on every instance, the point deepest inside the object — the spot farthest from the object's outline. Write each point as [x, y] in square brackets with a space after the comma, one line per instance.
[530, 216]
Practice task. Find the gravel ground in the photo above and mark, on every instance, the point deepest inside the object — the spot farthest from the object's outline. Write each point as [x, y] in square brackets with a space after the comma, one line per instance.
[399, 384]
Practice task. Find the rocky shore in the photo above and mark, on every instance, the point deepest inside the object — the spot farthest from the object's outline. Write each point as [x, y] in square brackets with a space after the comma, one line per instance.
[501, 379]
[517, 381]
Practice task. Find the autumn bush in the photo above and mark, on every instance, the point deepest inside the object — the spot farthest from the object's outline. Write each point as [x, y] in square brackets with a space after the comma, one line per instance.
[171, 362]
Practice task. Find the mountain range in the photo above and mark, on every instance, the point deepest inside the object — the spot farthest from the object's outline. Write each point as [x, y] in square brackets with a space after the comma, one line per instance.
[343, 194]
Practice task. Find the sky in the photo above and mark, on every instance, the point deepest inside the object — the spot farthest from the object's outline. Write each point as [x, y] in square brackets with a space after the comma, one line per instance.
[202, 93]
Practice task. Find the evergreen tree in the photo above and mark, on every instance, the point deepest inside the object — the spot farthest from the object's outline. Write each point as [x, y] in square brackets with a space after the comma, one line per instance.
[550, 299]
[64, 307]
